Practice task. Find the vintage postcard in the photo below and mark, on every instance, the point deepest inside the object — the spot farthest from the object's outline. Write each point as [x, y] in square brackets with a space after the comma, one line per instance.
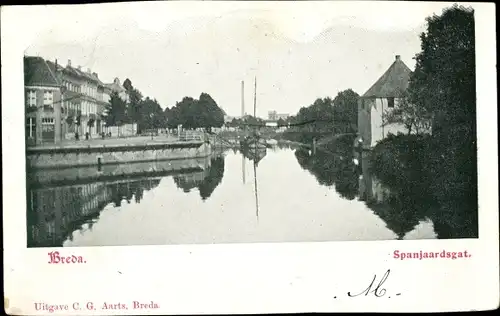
[247, 157]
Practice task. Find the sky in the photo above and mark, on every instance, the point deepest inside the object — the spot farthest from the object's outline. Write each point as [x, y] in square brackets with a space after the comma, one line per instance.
[298, 51]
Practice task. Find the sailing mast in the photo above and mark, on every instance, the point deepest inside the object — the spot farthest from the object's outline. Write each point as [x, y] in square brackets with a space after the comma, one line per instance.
[243, 167]
[242, 99]
[255, 148]
[255, 98]
[256, 194]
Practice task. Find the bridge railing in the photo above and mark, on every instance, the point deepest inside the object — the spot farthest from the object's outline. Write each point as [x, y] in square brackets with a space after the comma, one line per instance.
[187, 136]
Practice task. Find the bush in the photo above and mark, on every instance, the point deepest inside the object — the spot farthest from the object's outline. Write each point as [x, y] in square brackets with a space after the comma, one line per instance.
[400, 160]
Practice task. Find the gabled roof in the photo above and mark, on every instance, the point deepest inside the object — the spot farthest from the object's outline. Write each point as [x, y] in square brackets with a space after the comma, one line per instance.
[393, 82]
[114, 87]
[38, 72]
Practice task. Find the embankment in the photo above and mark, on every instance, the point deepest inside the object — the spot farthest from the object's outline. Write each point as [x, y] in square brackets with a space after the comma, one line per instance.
[92, 155]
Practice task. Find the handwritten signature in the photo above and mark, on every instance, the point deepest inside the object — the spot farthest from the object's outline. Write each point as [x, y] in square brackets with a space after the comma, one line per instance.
[374, 288]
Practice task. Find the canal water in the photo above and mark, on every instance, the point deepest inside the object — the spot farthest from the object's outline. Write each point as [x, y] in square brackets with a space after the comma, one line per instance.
[288, 195]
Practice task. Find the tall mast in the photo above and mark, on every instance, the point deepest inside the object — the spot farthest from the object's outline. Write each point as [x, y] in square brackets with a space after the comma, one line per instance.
[256, 194]
[242, 98]
[255, 98]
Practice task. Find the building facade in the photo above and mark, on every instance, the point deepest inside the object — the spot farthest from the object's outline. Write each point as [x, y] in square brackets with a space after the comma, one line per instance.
[274, 116]
[63, 102]
[84, 101]
[43, 102]
[115, 86]
[383, 96]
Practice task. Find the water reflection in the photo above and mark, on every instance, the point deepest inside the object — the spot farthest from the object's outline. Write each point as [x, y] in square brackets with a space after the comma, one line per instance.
[205, 181]
[413, 200]
[56, 209]
[272, 196]
[404, 203]
[54, 213]
[332, 170]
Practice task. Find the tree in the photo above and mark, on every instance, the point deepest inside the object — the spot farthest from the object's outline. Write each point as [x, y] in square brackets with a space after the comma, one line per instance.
[91, 121]
[127, 84]
[211, 115]
[281, 122]
[414, 118]
[346, 111]
[444, 79]
[444, 84]
[133, 107]
[192, 113]
[115, 111]
[151, 114]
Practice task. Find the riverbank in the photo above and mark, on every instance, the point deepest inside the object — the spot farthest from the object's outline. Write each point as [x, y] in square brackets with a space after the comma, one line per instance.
[114, 151]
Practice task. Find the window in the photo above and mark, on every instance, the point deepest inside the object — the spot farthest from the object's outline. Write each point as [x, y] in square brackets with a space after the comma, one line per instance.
[31, 98]
[31, 127]
[47, 120]
[390, 102]
[362, 104]
[48, 99]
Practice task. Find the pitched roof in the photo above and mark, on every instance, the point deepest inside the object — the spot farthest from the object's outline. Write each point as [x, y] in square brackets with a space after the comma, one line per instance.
[114, 87]
[38, 72]
[82, 74]
[393, 82]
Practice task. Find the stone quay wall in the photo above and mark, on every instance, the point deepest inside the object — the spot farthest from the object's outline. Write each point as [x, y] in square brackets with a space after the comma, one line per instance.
[96, 155]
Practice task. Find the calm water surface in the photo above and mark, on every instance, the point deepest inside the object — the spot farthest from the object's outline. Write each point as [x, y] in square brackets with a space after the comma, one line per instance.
[288, 196]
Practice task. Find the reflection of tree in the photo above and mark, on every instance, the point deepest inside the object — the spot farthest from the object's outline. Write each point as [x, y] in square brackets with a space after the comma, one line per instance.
[206, 182]
[400, 215]
[214, 178]
[411, 200]
[331, 170]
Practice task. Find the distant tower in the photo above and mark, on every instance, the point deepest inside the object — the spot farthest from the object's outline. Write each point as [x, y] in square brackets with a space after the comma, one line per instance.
[242, 98]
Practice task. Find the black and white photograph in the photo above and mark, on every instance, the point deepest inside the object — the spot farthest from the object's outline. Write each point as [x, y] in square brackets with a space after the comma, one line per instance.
[249, 157]
[240, 127]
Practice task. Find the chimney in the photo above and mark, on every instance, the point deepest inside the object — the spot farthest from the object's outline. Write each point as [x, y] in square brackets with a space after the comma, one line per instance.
[398, 57]
[89, 71]
[69, 62]
[95, 74]
[79, 67]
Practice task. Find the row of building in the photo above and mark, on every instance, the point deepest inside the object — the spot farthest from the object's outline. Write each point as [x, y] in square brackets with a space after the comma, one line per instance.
[62, 101]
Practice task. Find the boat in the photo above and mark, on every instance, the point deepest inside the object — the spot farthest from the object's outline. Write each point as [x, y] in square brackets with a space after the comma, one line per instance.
[272, 142]
[254, 140]
[255, 154]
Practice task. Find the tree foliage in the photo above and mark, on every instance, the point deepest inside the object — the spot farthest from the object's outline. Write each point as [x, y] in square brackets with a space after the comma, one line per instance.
[414, 118]
[324, 117]
[150, 115]
[346, 111]
[444, 80]
[115, 111]
[192, 113]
